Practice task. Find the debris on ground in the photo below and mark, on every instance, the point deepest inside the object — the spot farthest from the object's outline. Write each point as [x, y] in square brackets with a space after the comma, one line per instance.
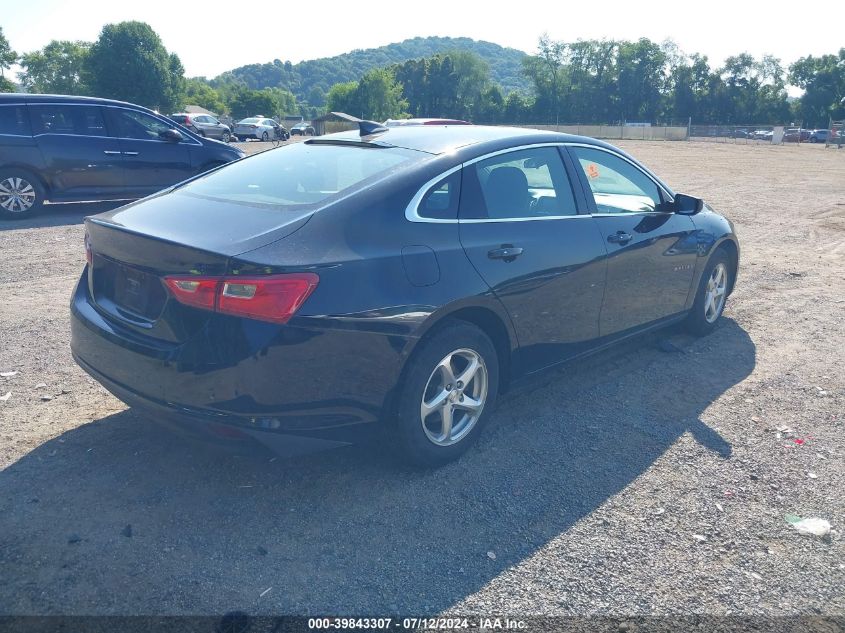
[491, 555]
[6, 397]
[811, 526]
[127, 531]
[7, 374]
[665, 345]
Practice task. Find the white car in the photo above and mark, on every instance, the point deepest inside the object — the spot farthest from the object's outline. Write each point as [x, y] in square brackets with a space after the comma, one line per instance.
[260, 128]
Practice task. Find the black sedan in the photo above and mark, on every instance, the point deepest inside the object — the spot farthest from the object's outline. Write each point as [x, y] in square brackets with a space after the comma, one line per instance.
[392, 280]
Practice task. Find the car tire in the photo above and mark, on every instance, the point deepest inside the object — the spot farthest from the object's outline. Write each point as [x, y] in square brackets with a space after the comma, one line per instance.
[226, 137]
[21, 194]
[265, 137]
[712, 294]
[201, 133]
[422, 435]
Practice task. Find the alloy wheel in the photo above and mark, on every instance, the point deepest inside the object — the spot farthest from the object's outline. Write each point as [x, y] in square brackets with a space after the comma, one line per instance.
[17, 194]
[454, 397]
[715, 292]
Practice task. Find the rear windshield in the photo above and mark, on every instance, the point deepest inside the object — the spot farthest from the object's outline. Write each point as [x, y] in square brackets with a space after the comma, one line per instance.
[250, 120]
[302, 175]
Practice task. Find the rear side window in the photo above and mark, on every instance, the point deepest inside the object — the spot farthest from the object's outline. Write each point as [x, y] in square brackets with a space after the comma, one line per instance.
[68, 119]
[529, 183]
[13, 120]
[441, 201]
[137, 125]
[301, 176]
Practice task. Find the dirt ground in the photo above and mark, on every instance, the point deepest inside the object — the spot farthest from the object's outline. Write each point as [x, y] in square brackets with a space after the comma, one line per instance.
[638, 482]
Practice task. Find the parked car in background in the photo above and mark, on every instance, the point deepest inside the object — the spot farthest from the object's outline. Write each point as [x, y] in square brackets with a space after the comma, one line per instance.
[762, 135]
[403, 122]
[203, 125]
[64, 149]
[302, 129]
[820, 136]
[796, 135]
[740, 133]
[260, 129]
[513, 250]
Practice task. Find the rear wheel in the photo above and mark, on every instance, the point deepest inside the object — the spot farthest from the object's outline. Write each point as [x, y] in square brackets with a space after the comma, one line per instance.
[21, 194]
[448, 394]
[712, 294]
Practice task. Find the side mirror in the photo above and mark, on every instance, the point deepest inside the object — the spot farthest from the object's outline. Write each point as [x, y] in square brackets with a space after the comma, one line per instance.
[687, 205]
[174, 136]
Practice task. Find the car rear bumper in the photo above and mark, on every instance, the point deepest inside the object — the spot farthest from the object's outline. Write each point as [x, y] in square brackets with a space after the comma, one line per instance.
[323, 383]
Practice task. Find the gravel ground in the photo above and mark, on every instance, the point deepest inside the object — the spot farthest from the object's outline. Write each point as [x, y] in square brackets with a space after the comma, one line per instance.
[638, 482]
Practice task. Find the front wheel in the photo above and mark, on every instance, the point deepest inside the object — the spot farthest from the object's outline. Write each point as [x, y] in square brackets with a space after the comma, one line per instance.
[712, 294]
[226, 137]
[448, 393]
[21, 194]
[265, 137]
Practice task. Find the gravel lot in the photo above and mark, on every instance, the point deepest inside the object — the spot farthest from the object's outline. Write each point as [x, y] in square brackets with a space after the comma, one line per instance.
[639, 482]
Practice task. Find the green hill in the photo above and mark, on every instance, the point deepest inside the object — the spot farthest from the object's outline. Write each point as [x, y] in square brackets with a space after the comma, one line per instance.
[310, 80]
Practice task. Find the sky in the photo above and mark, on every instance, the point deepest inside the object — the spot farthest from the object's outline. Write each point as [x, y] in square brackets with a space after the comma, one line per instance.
[210, 40]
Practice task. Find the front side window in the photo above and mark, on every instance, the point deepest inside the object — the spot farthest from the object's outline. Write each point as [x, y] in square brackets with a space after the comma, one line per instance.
[137, 125]
[617, 186]
[13, 120]
[68, 119]
[300, 176]
[529, 183]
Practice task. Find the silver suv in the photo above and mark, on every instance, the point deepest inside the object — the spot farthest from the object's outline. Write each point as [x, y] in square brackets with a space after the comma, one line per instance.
[204, 125]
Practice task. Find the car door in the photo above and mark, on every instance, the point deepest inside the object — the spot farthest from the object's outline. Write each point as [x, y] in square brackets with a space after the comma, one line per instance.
[150, 163]
[81, 160]
[651, 252]
[520, 227]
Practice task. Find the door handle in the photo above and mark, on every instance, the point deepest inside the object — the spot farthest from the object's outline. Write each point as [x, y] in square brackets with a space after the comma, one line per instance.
[620, 237]
[131, 153]
[110, 151]
[508, 252]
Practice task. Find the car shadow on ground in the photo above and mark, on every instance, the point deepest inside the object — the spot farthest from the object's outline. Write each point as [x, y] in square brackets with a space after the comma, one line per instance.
[118, 517]
[61, 214]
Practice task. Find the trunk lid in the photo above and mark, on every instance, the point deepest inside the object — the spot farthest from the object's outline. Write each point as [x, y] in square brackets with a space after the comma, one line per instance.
[134, 247]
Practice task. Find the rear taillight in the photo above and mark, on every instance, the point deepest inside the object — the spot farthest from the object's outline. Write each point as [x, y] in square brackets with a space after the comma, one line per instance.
[200, 292]
[89, 254]
[274, 298]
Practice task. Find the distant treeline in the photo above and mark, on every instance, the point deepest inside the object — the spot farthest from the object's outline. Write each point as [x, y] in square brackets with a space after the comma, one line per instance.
[593, 81]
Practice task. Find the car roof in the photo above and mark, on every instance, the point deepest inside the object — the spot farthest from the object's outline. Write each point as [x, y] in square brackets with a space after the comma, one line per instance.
[21, 97]
[440, 139]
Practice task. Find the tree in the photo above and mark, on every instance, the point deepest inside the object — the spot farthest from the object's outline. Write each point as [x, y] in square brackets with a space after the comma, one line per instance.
[343, 97]
[269, 102]
[546, 70]
[7, 58]
[129, 62]
[641, 80]
[380, 96]
[198, 92]
[377, 96]
[58, 68]
[823, 81]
